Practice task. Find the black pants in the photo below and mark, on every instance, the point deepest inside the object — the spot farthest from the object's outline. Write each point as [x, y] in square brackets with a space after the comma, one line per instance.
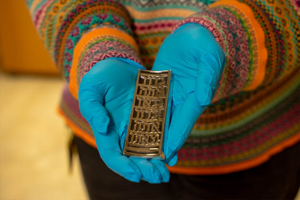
[278, 178]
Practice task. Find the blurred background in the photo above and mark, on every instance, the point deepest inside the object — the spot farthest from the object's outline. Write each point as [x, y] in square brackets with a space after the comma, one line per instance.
[34, 162]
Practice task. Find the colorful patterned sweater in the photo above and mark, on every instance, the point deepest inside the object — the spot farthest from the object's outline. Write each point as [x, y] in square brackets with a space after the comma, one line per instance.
[255, 113]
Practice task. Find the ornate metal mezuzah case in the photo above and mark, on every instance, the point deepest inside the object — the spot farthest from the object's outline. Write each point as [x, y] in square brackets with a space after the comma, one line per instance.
[148, 114]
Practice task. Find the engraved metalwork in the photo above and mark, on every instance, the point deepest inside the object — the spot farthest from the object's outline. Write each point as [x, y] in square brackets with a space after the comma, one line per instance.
[148, 114]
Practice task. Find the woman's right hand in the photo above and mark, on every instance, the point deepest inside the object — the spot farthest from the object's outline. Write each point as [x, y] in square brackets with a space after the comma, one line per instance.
[105, 100]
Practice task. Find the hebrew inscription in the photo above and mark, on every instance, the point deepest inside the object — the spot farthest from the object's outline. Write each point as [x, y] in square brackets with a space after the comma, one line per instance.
[148, 114]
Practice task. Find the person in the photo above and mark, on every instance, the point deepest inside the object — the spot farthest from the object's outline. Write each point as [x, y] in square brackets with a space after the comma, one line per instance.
[234, 62]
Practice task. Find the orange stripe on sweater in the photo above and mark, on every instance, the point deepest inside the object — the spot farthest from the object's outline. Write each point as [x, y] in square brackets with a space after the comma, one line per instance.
[85, 40]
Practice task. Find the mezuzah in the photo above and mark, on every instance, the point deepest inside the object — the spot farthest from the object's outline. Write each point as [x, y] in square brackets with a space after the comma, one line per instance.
[148, 114]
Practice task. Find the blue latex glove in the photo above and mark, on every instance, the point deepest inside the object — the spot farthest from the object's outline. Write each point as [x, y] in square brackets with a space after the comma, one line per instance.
[197, 62]
[105, 99]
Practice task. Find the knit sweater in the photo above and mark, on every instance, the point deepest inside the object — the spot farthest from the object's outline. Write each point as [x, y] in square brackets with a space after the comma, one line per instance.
[255, 112]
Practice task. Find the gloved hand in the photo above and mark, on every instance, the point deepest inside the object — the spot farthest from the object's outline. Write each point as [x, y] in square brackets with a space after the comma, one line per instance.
[196, 61]
[105, 99]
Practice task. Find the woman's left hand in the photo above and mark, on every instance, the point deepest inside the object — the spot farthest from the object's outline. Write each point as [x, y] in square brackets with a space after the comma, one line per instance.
[196, 61]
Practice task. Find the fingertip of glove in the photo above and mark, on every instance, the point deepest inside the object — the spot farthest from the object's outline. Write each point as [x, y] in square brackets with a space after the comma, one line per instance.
[173, 160]
[204, 95]
[168, 153]
[101, 125]
[134, 175]
[135, 169]
[133, 178]
[166, 178]
[151, 181]
[155, 182]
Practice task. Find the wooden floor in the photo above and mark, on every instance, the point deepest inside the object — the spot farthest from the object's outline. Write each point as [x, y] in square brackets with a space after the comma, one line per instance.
[33, 142]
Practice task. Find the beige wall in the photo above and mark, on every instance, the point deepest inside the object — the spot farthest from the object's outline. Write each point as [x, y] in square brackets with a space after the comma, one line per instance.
[21, 50]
